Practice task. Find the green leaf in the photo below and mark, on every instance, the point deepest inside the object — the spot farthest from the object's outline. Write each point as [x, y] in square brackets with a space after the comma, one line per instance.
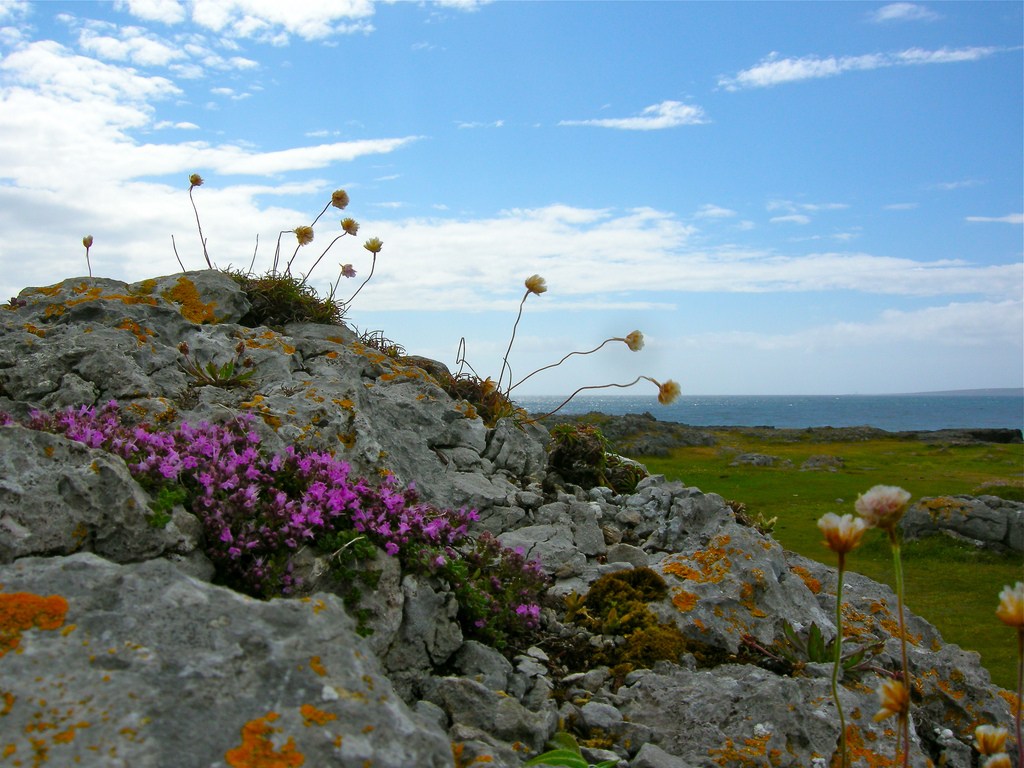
[815, 644]
[559, 757]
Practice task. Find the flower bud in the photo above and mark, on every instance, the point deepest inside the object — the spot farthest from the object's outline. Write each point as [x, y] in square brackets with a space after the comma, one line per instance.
[536, 284]
[87, 241]
[195, 180]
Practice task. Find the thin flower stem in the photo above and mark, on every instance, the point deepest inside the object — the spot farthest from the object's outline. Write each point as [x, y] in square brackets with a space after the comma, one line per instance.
[320, 214]
[555, 365]
[336, 239]
[1020, 694]
[594, 386]
[898, 568]
[504, 363]
[373, 265]
[837, 662]
[202, 239]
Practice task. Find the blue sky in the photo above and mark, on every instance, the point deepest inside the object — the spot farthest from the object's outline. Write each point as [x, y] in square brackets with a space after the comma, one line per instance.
[785, 198]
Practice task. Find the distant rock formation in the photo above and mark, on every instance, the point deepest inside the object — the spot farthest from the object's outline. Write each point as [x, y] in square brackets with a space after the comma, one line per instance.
[115, 648]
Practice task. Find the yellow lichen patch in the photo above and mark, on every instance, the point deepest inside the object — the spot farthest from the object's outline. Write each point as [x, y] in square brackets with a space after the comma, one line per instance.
[944, 508]
[684, 601]
[862, 755]
[146, 287]
[141, 334]
[331, 355]
[24, 611]
[34, 330]
[317, 666]
[313, 716]
[708, 565]
[257, 749]
[466, 409]
[805, 575]
[54, 310]
[752, 753]
[8, 699]
[747, 601]
[344, 403]
[192, 307]
[49, 290]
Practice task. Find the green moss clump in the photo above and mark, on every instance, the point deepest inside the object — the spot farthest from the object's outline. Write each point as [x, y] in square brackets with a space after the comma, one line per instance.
[277, 300]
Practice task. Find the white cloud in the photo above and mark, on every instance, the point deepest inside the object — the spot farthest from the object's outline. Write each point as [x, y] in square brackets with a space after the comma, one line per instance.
[711, 211]
[792, 218]
[13, 9]
[901, 206]
[773, 70]
[165, 11]
[181, 126]
[134, 45]
[1010, 218]
[274, 22]
[902, 12]
[667, 114]
[476, 124]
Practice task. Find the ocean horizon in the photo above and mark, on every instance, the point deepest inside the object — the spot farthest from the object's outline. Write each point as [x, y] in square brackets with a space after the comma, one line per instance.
[925, 411]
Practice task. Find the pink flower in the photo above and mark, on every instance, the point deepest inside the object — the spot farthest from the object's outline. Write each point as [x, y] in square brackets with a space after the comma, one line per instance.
[883, 506]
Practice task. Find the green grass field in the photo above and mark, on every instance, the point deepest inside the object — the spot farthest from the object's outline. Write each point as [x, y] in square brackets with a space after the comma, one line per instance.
[952, 585]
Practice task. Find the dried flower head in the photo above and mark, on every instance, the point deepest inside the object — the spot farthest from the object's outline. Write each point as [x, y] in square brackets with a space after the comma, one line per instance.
[304, 235]
[347, 270]
[988, 739]
[87, 241]
[1011, 606]
[339, 198]
[668, 392]
[635, 341]
[195, 180]
[487, 386]
[373, 245]
[351, 226]
[894, 699]
[883, 506]
[842, 534]
[1001, 760]
[536, 284]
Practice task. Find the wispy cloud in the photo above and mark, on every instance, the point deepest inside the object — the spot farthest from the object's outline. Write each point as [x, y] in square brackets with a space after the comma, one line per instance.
[774, 70]
[792, 218]
[949, 186]
[1011, 218]
[667, 114]
[492, 124]
[902, 12]
[710, 211]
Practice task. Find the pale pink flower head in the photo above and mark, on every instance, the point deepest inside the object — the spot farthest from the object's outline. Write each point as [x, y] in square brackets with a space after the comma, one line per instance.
[536, 284]
[304, 235]
[842, 534]
[668, 392]
[989, 740]
[894, 699]
[1011, 606]
[635, 341]
[347, 270]
[883, 506]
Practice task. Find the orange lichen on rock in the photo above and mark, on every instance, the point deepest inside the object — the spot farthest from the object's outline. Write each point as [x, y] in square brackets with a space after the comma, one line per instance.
[313, 716]
[23, 611]
[708, 565]
[192, 307]
[805, 575]
[317, 666]
[753, 753]
[257, 750]
[684, 601]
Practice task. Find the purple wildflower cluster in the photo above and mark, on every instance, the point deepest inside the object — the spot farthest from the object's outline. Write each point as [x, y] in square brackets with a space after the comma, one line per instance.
[259, 511]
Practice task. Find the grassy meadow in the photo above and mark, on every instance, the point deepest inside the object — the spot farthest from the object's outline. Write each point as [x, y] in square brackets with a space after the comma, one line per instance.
[952, 585]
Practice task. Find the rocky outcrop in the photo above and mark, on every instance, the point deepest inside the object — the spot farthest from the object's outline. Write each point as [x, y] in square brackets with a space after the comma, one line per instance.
[116, 648]
[984, 521]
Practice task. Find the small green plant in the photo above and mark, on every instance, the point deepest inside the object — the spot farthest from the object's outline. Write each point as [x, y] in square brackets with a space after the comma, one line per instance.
[166, 498]
[798, 648]
[234, 373]
[566, 753]
[757, 521]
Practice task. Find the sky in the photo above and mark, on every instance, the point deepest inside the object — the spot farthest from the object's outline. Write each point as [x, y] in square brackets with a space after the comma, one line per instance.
[784, 198]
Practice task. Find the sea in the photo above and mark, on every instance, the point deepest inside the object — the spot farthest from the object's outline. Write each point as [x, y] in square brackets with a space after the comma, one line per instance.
[970, 409]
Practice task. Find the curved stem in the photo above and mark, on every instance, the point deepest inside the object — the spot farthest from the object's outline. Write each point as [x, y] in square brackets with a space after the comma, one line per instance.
[372, 267]
[504, 362]
[202, 239]
[336, 239]
[838, 660]
[595, 386]
[555, 365]
[320, 214]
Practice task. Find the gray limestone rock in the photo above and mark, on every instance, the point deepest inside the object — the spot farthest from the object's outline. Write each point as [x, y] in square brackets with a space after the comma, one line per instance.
[140, 666]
